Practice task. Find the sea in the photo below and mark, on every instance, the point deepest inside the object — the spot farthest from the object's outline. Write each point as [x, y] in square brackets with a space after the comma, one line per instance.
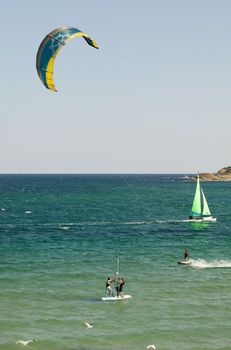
[60, 236]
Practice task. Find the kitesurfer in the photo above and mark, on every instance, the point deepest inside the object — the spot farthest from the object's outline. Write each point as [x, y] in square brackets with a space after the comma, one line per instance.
[186, 255]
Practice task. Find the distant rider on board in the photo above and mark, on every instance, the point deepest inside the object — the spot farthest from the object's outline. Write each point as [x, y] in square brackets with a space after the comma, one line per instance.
[186, 255]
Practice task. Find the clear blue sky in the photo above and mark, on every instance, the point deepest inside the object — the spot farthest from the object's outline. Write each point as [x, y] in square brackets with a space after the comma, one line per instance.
[155, 98]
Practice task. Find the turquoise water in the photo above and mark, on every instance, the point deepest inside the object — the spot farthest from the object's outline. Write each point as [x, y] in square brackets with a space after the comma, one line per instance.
[59, 238]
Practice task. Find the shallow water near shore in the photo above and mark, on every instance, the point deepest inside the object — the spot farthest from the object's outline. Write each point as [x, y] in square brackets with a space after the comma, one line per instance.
[59, 239]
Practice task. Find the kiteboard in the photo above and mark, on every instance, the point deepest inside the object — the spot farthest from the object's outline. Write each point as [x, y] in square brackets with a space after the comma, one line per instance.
[126, 296]
[184, 262]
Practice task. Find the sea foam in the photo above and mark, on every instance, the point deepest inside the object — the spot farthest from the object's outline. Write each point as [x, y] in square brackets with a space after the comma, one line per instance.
[203, 264]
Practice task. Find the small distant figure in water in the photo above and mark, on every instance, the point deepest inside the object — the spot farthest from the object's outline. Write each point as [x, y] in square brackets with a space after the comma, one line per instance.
[108, 287]
[186, 255]
[122, 283]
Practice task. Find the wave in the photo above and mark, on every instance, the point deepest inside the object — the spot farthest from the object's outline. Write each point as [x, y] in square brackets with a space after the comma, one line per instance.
[203, 264]
[68, 225]
[25, 342]
[64, 227]
[115, 223]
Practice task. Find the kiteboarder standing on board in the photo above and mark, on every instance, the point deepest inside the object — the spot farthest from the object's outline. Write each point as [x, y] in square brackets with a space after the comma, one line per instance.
[186, 255]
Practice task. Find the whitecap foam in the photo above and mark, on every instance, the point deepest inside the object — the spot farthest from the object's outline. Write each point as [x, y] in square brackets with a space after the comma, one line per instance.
[203, 264]
[64, 227]
[25, 342]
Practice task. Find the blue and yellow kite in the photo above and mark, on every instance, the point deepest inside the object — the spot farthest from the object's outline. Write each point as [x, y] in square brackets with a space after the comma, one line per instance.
[49, 48]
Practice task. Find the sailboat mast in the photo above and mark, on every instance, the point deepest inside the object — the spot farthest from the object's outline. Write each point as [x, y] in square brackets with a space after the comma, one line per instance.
[117, 267]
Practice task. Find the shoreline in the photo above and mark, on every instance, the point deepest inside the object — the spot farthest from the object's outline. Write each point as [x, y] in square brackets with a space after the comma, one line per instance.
[223, 174]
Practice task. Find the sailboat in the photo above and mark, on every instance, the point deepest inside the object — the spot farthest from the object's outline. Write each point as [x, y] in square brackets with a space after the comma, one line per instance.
[200, 209]
[116, 282]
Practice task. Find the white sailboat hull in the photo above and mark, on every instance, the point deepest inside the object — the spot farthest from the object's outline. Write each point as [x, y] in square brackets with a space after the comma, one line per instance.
[205, 219]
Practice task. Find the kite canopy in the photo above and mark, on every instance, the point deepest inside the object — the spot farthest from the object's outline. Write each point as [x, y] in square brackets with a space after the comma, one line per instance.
[49, 48]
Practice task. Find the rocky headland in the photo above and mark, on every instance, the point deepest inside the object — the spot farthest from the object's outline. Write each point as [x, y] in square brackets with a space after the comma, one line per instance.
[223, 174]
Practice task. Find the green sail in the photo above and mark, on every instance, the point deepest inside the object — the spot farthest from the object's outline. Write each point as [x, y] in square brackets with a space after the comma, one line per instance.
[206, 211]
[196, 207]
